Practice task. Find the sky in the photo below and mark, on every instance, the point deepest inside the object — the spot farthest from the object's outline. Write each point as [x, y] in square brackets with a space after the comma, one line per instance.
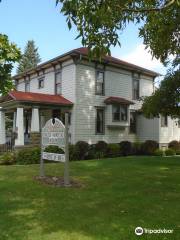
[41, 21]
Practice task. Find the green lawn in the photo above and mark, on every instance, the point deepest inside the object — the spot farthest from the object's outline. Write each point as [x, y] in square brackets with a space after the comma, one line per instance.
[119, 195]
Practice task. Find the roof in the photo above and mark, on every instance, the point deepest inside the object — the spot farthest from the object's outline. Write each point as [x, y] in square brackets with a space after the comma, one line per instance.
[119, 100]
[83, 52]
[36, 98]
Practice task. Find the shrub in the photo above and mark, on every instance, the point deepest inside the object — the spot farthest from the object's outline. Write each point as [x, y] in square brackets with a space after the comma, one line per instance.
[28, 156]
[169, 152]
[175, 145]
[81, 149]
[91, 152]
[137, 148]
[8, 158]
[53, 149]
[126, 148]
[159, 152]
[113, 150]
[149, 147]
[101, 146]
[100, 149]
[72, 153]
[178, 152]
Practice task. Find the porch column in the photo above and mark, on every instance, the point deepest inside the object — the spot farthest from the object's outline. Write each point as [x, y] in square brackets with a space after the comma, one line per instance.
[2, 128]
[20, 127]
[14, 121]
[35, 120]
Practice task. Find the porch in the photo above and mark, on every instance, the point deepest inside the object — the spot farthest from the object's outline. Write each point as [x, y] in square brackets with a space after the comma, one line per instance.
[23, 114]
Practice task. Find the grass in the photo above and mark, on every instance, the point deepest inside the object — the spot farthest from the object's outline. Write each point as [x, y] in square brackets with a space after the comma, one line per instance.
[119, 195]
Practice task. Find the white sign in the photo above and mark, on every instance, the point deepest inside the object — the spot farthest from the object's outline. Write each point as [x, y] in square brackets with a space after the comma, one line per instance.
[53, 157]
[53, 133]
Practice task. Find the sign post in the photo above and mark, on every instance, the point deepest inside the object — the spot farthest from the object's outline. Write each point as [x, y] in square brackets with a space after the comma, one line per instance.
[66, 165]
[56, 134]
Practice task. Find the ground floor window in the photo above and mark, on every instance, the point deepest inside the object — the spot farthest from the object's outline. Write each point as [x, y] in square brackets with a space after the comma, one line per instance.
[119, 112]
[99, 121]
[133, 122]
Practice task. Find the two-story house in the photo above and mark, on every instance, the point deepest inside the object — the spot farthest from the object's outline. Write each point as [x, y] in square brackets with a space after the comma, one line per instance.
[101, 97]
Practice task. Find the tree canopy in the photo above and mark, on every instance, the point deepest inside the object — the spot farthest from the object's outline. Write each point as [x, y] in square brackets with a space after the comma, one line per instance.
[30, 58]
[99, 23]
[9, 54]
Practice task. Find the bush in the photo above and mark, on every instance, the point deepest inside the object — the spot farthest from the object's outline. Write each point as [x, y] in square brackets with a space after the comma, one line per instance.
[175, 145]
[126, 148]
[29, 156]
[149, 147]
[169, 152]
[72, 153]
[113, 150]
[137, 148]
[100, 149]
[53, 149]
[81, 149]
[8, 158]
[178, 152]
[159, 152]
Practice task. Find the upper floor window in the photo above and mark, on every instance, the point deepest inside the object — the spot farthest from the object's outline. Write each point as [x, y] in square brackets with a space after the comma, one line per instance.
[164, 121]
[133, 122]
[41, 82]
[100, 121]
[58, 83]
[135, 88]
[27, 86]
[119, 113]
[99, 82]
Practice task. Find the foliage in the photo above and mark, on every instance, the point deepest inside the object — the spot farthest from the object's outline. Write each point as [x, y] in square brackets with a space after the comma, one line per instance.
[28, 156]
[126, 148]
[175, 145]
[30, 58]
[166, 99]
[169, 152]
[149, 147]
[113, 150]
[81, 149]
[53, 149]
[9, 54]
[159, 152]
[8, 158]
[72, 153]
[137, 148]
[100, 22]
[101, 149]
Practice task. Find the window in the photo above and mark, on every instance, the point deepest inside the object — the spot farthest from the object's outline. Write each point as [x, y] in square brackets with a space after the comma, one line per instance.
[135, 88]
[41, 82]
[119, 113]
[99, 83]
[164, 121]
[132, 122]
[99, 121]
[179, 123]
[58, 83]
[27, 86]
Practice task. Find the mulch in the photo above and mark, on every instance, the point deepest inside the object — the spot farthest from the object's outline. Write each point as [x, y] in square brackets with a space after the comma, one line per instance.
[57, 181]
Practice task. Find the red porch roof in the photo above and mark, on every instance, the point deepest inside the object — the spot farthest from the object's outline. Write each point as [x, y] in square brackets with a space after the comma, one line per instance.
[36, 98]
[114, 100]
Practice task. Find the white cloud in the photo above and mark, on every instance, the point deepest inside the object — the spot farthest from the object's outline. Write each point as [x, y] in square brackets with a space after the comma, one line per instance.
[141, 57]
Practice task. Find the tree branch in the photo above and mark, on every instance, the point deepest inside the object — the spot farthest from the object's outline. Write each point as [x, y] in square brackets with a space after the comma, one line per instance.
[136, 10]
